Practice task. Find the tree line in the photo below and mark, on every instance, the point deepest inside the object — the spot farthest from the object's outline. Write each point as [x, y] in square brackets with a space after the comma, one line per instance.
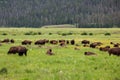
[82, 13]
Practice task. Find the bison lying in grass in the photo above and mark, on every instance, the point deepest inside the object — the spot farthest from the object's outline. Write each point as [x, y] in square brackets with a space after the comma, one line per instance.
[89, 53]
[49, 52]
[18, 49]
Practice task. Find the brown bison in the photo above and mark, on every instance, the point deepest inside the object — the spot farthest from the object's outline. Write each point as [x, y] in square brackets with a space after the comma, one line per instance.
[62, 44]
[104, 48]
[116, 45]
[40, 42]
[114, 51]
[46, 41]
[26, 42]
[12, 41]
[53, 42]
[18, 49]
[85, 42]
[72, 42]
[89, 53]
[49, 52]
[93, 45]
[5, 41]
[111, 43]
[67, 41]
[61, 41]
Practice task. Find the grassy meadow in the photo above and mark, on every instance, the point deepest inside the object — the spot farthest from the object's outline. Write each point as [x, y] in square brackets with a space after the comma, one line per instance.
[67, 63]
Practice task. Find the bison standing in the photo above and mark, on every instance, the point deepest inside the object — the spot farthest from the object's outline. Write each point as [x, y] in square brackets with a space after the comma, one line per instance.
[114, 51]
[72, 42]
[18, 49]
[25, 42]
[40, 42]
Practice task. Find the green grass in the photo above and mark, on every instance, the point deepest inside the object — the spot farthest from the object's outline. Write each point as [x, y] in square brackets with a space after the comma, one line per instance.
[67, 63]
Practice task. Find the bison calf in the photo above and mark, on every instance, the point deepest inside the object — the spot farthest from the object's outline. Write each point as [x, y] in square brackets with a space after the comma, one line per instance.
[49, 52]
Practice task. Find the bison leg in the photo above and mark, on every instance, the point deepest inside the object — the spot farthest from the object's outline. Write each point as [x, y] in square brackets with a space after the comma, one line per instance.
[109, 54]
[25, 54]
[20, 54]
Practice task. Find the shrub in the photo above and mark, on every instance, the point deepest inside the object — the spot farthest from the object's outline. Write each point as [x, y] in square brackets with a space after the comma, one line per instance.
[107, 34]
[50, 33]
[70, 33]
[39, 33]
[59, 33]
[28, 33]
[84, 33]
[64, 34]
[3, 71]
[34, 33]
[4, 33]
[90, 34]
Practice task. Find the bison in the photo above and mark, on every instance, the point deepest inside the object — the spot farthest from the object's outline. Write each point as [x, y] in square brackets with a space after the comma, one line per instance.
[49, 52]
[40, 42]
[18, 49]
[62, 44]
[53, 41]
[93, 45]
[104, 48]
[89, 53]
[72, 42]
[5, 41]
[114, 51]
[116, 45]
[85, 42]
[67, 41]
[61, 41]
[25, 42]
[12, 41]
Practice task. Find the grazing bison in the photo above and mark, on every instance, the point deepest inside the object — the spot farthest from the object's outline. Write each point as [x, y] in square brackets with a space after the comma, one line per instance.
[25, 42]
[40, 42]
[104, 48]
[93, 45]
[85, 42]
[116, 45]
[61, 41]
[89, 53]
[67, 41]
[111, 43]
[18, 49]
[12, 41]
[46, 41]
[5, 41]
[53, 42]
[114, 51]
[72, 42]
[49, 52]
[62, 44]
[85, 45]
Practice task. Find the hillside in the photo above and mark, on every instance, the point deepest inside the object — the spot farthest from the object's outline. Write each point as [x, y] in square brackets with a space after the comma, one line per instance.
[82, 13]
